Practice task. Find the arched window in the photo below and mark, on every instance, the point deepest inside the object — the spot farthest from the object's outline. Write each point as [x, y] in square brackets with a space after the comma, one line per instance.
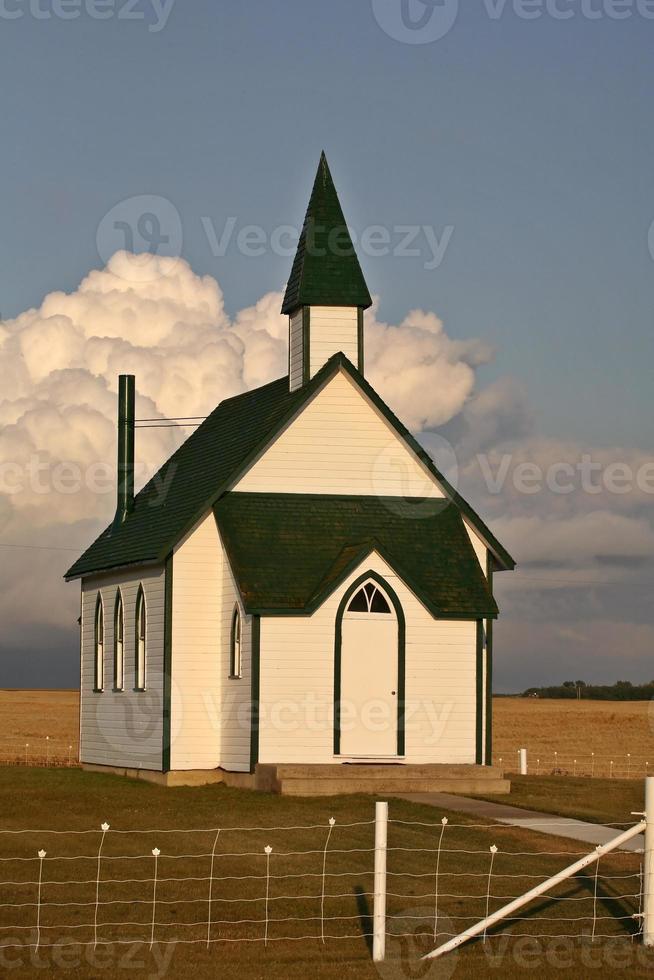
[141, 636]
[369, 599]
[235, 644]
[119, 644]
[98, 670]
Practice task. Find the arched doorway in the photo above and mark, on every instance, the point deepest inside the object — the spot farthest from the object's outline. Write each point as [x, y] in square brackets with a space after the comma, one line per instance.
[369, 672]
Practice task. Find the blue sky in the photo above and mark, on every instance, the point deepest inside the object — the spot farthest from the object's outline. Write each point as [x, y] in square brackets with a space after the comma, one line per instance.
[530, 140]
[533, 139]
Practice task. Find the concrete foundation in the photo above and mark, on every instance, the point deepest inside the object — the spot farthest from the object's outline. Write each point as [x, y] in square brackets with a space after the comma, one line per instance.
[333, 780]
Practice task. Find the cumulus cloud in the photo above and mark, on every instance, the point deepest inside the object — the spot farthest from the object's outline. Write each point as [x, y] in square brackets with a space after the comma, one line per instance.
[59, 365]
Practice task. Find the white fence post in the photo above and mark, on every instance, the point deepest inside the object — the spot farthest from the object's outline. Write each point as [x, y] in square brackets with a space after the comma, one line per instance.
[379, 910]
[648, 865]
[523, 762]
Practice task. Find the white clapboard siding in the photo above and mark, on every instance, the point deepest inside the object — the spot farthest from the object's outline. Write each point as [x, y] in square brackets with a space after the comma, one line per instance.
[339, 443]
[123, 728]
[295, 350]
[332, 329]
[197, 658]
[210, 720]
[297, 682]
[235, 701]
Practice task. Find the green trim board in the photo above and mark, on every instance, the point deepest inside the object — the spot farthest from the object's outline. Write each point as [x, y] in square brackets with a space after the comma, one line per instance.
[401, 658]
[360, 342]
[489, 671]
[216, 455]
[479, 669]
[306, 344]
[167, 665]
[289, 552]
[255, 690]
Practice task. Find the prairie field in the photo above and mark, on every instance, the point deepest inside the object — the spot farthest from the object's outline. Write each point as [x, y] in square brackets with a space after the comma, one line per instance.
[220, 907]
[617, 731]
[27, 718]
[622, 731]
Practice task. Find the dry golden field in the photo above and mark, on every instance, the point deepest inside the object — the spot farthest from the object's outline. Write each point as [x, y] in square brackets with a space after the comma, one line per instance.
[28, 717]
[576, 729]
[573, 729]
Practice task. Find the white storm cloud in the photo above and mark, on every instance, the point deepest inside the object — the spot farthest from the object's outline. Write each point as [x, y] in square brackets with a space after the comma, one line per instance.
[59, 365]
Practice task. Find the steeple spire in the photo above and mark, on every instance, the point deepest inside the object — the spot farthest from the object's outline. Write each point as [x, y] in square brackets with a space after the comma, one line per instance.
[326, 270]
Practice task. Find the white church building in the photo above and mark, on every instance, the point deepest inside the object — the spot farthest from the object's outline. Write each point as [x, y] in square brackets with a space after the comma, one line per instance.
[307, 605]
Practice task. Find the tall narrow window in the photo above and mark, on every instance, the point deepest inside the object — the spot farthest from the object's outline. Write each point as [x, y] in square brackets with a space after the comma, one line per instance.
[235, 644]
[119, 644]
[141, 635]
[98, 679]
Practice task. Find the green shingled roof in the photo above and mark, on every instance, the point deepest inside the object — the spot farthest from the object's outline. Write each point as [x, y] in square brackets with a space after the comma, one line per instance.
[326, 270]
[205, 466]
[288, 552]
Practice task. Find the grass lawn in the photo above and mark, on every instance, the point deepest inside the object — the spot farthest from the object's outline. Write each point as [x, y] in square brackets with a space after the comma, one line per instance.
[608, 801]
[50, 800]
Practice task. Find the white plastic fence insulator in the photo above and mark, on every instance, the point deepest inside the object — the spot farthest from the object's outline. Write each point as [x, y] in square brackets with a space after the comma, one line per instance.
[493, 852]
[42, 854]
[648, 865]
[268, 852]
[379, 908]
[523, 762]
[104, 828]
[438, 864]
[155, 854]
[213, 858]
[541, 889]
[332, 821]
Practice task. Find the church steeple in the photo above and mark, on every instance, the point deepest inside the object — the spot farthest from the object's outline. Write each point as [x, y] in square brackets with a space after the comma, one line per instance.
[326, 292]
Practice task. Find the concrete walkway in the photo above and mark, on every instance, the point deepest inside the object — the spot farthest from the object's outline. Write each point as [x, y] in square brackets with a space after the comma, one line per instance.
[542, 823]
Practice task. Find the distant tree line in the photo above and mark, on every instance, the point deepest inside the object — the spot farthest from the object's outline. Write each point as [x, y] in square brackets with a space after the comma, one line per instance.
[620, 691]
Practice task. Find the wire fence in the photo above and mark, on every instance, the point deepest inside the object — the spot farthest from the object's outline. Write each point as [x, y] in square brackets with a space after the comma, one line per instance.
[591, 764]
[39, 750]
[302, 884]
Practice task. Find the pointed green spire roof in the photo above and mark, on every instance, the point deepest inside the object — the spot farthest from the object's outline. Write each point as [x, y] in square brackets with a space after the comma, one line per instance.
[326, 270]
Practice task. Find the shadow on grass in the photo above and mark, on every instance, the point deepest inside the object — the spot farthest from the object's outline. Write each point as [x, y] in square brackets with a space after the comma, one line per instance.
[365, 918]
[617, 906]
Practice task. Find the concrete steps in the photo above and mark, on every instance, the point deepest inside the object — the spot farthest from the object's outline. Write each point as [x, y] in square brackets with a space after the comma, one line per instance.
[339, 779]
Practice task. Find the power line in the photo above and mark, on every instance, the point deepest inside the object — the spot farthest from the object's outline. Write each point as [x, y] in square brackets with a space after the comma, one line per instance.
[176, 418]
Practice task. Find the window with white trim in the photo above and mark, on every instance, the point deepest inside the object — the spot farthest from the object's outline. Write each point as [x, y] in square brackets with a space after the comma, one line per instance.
[235, 644]
[119, 643]
[141, 639]
[98, 670]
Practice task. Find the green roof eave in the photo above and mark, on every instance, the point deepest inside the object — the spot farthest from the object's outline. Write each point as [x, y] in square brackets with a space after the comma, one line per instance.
[289, 552]
[142, 540]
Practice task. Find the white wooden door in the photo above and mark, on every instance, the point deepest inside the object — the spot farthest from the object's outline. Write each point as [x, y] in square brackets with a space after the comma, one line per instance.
[369, 675]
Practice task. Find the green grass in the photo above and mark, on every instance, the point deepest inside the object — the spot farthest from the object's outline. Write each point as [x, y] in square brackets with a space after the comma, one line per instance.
[607, 801]
[49, 800]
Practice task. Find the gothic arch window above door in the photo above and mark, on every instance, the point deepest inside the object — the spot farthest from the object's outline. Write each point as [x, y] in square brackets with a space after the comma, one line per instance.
[369, 599]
